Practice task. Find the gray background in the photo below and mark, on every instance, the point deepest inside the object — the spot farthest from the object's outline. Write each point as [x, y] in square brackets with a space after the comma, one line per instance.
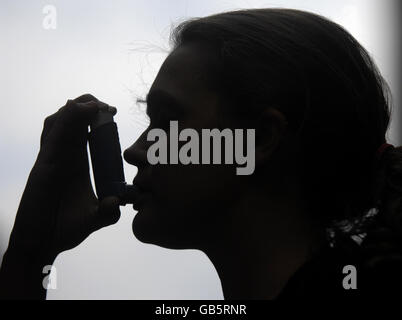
[113, 50]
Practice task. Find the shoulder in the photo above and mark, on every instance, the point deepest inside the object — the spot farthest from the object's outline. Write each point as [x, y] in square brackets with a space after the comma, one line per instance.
[381, 260]
[347, 271]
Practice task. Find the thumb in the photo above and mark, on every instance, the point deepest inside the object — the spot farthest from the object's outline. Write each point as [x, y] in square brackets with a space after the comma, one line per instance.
[108, 212]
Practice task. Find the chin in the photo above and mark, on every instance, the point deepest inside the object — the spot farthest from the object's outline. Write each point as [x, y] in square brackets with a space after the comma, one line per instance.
[151, 231]
[143, 228]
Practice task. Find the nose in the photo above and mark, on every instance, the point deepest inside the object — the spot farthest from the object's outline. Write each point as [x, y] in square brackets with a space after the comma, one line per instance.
[136, 154]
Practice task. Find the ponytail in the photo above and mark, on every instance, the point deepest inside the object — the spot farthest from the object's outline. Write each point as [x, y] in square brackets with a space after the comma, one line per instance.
[389, 192]
[382, 245]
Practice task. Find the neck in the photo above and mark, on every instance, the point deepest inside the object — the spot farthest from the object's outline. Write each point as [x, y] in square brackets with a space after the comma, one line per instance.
[261, 249]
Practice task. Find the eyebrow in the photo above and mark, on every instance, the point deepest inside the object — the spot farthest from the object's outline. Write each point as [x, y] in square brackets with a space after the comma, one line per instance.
[158, 97]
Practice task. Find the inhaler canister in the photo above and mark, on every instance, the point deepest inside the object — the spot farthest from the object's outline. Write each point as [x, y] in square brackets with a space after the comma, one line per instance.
[107, 163]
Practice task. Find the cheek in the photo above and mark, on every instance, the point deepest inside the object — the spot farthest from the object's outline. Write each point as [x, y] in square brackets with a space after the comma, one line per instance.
[188, 204]
[194, 187]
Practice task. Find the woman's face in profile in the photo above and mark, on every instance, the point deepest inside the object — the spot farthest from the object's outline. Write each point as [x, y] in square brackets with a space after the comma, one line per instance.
[182, 205]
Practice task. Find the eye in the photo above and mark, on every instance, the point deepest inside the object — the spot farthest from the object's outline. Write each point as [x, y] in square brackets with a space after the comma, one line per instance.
[161, 119]
[161, 108]
[161, 115]
[139, 113]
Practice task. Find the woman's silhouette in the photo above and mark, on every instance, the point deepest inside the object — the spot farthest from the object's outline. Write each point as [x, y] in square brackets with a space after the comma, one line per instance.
[320, 110]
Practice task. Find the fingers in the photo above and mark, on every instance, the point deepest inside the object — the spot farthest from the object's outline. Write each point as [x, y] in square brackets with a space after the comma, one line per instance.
[81, 101]
[70, 126]
[108, 212]
[65, 133]
[85, 98]
[71, 114]
[47, 126]
[72, 120]
[79, 112]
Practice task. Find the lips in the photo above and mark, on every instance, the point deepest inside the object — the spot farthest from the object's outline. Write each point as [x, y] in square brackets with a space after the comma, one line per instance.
[143, 182]
[141, 194]
[139, 202]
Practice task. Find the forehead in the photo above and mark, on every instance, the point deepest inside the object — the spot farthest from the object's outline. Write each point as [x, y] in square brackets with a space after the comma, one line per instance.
[187, 72]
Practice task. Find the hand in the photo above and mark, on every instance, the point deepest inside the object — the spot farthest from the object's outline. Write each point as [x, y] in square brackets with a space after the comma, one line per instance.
[59, 209]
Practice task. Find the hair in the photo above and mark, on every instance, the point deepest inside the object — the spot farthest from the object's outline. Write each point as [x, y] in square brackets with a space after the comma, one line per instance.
[334, 98]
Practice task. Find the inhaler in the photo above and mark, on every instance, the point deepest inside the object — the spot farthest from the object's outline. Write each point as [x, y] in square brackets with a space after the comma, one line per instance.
[107, 163]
